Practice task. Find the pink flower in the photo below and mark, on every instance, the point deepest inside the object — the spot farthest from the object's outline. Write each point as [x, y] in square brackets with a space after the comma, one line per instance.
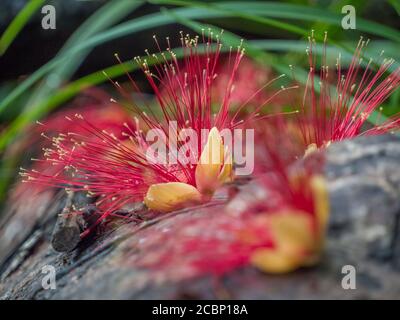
[118, 171]
[340, 111]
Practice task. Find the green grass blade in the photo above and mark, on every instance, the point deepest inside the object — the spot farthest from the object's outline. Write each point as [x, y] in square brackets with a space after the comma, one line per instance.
[45, 69]
[288, 11]
[103, 18]
[18, 23]
[396, 5]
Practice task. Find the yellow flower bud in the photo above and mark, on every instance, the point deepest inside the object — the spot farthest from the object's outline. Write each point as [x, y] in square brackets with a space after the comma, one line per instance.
[171, 196]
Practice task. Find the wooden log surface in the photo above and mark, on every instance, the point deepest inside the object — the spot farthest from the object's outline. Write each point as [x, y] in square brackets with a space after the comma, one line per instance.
[364, 186]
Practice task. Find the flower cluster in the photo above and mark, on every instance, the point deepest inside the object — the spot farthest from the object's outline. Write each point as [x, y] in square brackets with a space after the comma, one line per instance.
[119, 171]
[279, 223]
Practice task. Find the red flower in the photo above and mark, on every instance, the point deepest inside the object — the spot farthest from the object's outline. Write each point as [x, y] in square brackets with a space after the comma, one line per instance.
[118, 171]
[339, 111]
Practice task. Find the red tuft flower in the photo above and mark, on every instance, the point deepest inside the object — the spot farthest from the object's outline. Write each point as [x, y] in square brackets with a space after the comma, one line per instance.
[339, 111]
[118, 172]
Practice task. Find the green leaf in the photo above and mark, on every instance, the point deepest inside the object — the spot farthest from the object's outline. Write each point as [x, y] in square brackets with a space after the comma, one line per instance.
[396, 5]
[67, 52]
[285, 11]
[18, 23]
[103, 18]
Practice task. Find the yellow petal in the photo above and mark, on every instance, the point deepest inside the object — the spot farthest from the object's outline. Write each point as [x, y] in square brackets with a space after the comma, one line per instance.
[321, 202]
[294, 242]
[292, 232]
[274, 261]
[316, 188]
[226, 174]
[297, 243]
[210, 163]
[170, 196]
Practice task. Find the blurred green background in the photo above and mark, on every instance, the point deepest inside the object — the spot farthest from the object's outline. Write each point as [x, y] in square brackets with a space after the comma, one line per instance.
[41, 69]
